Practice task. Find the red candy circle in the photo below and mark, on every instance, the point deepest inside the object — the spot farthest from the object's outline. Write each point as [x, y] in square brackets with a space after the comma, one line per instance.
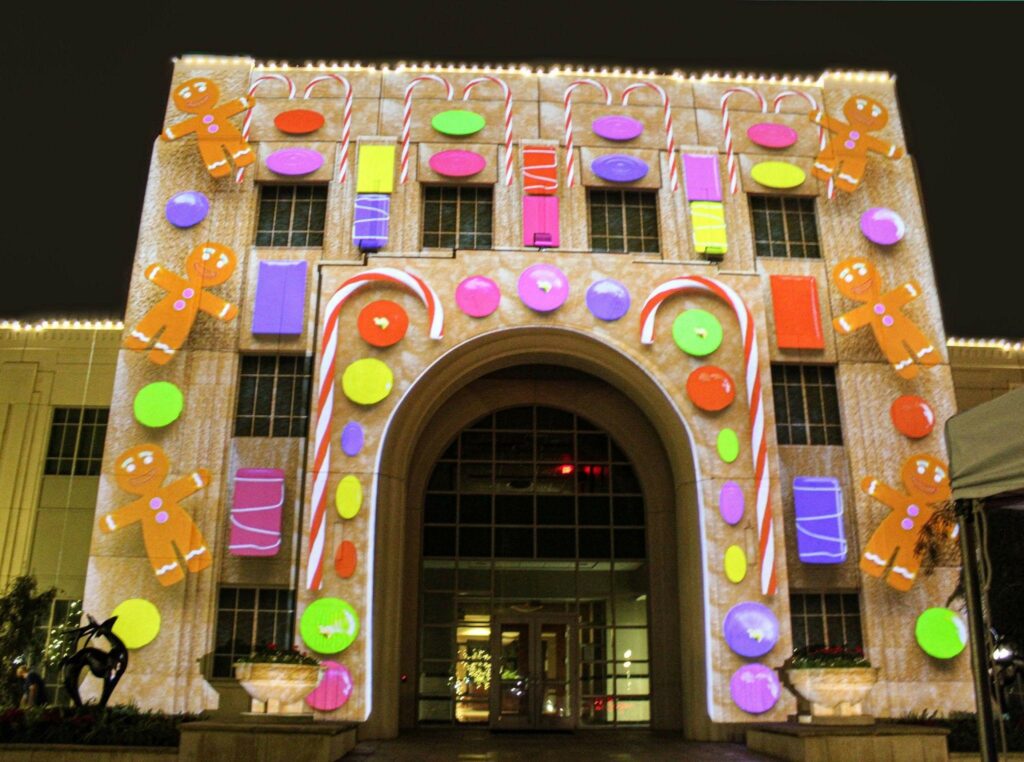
[382, 323]
[912, 416]
[710, 388]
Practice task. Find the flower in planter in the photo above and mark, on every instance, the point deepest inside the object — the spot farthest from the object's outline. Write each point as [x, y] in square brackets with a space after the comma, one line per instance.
[827, 657]
[271, 654]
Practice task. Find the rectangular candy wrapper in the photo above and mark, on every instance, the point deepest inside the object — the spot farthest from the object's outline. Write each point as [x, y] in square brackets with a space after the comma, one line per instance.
[703, 182]
[280, 304]
[708, 220]
[372, 222]
[376, 170]
[256, 512]
[540, 170]
[540, 221]
[818, 506]
[797, 316]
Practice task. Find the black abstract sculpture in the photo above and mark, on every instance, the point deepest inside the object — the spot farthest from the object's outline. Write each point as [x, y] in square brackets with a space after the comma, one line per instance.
[106, 665]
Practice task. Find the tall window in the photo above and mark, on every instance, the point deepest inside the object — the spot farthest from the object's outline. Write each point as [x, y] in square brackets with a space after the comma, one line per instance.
[457, 217]
[825, 619]
[785, 226]
[806, 405]
[291, 215]
[273, 396]
[623, 220]
[248, 617]
[76, 441]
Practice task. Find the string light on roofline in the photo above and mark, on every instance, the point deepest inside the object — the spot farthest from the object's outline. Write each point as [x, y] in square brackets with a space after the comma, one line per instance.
[74, 324]
[1006, 345]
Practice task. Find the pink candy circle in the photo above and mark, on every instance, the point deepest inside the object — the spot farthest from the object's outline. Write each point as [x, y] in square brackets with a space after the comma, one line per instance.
[333, 689]
[478, 296]
[882, 226]
[543, 288]
[161, 518]
[155, 503]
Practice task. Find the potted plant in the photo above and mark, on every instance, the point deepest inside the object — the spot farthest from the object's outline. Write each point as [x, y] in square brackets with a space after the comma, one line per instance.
[278, 679]
[830, 683]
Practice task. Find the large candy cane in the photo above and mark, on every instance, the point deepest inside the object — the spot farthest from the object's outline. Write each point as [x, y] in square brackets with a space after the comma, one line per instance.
[325, 395]
[247, 122]
[570, 159]
[752, 372]
[730, 157]
[508, 117]
[822, 136]
[670, 141]
[407, 116]
[346, 119]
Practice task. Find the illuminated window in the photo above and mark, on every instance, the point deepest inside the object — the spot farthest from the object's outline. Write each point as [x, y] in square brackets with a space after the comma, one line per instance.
[457, 217]
[785, 226]
[806, 405]
[273, 396]
[76, 441]
[250, 617]
[825, 619]
[291, 215]
[623, 220]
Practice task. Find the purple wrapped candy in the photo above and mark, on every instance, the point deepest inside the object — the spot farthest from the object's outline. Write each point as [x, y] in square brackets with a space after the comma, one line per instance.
[751, 629]
[352, 438]
[619, 168]
[755, 688]
[187, 208]
[607, 299]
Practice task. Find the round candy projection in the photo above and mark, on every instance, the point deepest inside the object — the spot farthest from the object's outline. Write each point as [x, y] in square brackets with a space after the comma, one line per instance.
[728, 445]
[352, 439]
[755, 688]
[334, 688]
[697, 332]
[345, 559]
[329, 625]
[457, 122]
[478, 296]
[299, 121]
[730, 503]
[710, 388]
[348, 498]
[367, 381]
[619, 168]
[158, 404]
[735, 563]
[187, 208]
[882, 226]
[912, 416]
[617, 127]
[294, 161]
[543, 288]
[777, 174]
[771, 135]
[457, 163]
[751, 629]
[941, 633]
[608, 299]
[138, 622]
[382, 323]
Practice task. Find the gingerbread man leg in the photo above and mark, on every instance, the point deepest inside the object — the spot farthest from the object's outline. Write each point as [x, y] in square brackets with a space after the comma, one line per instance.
[824, 165]
[875, 558]
[924, 351]
[904, 567]
[241, 153]
[890, 341]
[191, 545]
[170, 341]
[144, 333]
[851, 171]
[214, 158]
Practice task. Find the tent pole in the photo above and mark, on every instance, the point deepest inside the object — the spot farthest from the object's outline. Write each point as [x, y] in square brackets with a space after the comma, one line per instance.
[976, 627]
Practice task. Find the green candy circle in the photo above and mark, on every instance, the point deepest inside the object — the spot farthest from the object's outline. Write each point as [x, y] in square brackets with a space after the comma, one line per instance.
[728, 445]
[697, 332]
[941, 633]
[158, 404]
[329, 625]
[457, 122]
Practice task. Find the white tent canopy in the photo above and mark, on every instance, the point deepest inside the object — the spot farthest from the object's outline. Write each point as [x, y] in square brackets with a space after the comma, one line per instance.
[986, 450]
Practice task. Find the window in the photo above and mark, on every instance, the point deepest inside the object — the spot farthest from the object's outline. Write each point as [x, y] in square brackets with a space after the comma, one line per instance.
[806, 405]
[785, 226]
[76, 441]
[291, 215]
[623, 220]
[248, 617]
[273, 396]
[457, 217]
[825, 619]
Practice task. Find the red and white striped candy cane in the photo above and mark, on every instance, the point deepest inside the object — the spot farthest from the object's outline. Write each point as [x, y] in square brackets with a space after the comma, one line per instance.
[346, 119]
[670, 141]
[570, 160]
[247, 122]
[730, 157]
[407, 116]
[822, 134]
[508, 117]
[755, 401]
[325, 395]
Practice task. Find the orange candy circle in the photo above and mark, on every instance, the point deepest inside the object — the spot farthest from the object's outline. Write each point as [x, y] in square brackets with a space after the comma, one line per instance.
[912, 416]
[710, 388]
[382, 323]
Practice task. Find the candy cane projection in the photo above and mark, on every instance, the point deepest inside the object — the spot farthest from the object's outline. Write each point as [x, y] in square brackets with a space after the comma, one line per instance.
[752, 372]
[730, 156]
[407, 116]
[670, 141]
[822, 133]
[508, 117]
[346, 119]
[247, 123]
[570, 159]
[325, 397]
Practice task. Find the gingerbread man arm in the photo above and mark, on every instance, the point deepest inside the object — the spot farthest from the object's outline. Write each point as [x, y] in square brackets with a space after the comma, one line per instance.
[882, 492]
[181, 129]
[820, 117]
[163, 278]
[854, 319]
[237, 106]
[216, 306]
[123, 516]
[886, 149]
[187, 485]
[905, 293]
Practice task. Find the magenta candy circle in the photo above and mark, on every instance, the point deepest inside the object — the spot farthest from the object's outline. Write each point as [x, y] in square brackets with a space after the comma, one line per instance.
[457, 163]
[543, 288]
[478, 296]
[755, 688]
[294, 161]
[771, 135]
[882, 226]
[334, 688]
[731, 503]
[607, 299]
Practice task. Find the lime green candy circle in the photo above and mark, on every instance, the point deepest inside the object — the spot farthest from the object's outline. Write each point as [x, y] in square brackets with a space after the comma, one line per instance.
[367, 381]
[138, 622]
[158, 404]
[697, 332]
[329, 625]
[457, 122]
[728, 445]
[941, 633]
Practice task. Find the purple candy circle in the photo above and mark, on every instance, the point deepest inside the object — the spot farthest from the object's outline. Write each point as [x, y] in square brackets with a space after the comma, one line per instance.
[617, 127]
[730, 502]
[619, 168]
[352, 438]
[543, 288]
[478, 296]
[187, 208]
[882, 226]
[751, 629]
[294, 161]
[608, 299]
[755, 688]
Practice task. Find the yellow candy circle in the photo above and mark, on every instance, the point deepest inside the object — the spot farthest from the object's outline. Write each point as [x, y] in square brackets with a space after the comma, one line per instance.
[367, 381]
[735, 564]
[138, 622]
[348, 499]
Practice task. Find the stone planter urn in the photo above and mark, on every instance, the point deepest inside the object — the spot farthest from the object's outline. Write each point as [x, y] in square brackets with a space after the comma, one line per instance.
[277, 688]
[831, 695]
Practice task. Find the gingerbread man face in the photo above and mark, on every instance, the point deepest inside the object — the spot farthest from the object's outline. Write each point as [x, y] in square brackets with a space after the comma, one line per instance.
[211, 263]
[865, 113]
[142, 469]
[197, 95]
[926, 479]
[856, 279]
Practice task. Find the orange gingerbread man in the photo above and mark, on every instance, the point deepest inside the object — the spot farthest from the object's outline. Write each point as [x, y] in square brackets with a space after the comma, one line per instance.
[846, 155]
[900, 340]
[165, 525]
[216, 137]
[926, 480]
[208, 264]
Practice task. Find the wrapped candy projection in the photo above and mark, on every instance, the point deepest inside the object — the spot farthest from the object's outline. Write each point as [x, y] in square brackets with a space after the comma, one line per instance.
[107, 665]
[704, 194]
[280, 306]
[818, 508]
[843, 160]
[256, 512]
[796, 312]
[219, 141]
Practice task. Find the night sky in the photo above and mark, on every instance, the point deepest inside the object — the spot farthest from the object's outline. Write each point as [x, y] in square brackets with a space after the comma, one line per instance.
[85, 92]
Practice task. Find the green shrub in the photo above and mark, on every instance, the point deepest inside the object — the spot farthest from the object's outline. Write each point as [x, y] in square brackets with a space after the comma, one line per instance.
[123, 725]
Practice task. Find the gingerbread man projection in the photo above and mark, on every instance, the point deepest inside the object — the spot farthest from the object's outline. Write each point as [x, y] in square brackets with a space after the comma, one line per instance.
[900, 340]
[167, 530]
[207, 265]
[926, 480]
[216, 137]
[846, 155]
